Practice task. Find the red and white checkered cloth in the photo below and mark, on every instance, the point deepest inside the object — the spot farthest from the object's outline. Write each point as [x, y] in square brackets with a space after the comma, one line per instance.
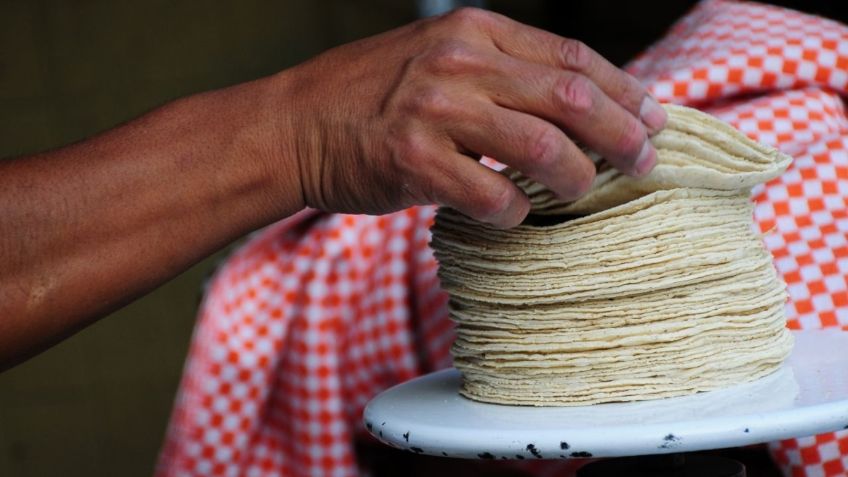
[320, 312]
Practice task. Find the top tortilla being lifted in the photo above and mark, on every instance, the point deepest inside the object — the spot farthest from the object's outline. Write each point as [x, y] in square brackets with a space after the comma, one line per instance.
[694, 150]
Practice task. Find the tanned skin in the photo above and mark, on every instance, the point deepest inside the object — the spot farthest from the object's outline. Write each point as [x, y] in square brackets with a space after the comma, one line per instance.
[370, 127]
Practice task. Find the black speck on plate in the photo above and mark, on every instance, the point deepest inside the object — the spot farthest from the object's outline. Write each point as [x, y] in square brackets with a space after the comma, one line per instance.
[670, 440]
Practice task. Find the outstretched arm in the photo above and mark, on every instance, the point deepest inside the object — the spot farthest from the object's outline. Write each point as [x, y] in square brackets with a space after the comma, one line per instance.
[371, 127]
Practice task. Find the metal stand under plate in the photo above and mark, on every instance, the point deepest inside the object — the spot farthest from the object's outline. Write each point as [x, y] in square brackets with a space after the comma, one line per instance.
[668, 465]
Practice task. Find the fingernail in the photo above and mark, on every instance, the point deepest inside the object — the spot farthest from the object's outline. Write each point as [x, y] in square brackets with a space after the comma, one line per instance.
[647, 159]
[652, 114]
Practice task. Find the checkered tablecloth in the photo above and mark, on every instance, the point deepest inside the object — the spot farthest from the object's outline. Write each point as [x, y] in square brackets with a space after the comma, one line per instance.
[318, 313]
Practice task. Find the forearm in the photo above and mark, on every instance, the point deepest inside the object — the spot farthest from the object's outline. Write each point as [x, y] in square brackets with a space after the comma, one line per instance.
[87, 228]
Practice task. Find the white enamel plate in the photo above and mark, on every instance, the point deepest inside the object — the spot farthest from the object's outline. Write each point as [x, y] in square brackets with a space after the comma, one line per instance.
[808, 395]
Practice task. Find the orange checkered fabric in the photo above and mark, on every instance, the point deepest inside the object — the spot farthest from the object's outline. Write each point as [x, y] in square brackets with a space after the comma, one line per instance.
[320, 312]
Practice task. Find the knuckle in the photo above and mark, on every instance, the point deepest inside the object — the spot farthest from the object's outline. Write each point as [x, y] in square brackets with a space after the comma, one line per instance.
[431, 103]
[468, 17]
[576, 92]
[632, 92]
[575, 55]
[449, 57]
[546, 149]
[409, 147]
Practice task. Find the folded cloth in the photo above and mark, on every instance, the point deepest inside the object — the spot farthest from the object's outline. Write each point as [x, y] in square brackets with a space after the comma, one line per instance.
[318, 313]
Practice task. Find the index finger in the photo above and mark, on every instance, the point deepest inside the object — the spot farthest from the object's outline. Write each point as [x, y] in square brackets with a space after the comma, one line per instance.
[539, 46]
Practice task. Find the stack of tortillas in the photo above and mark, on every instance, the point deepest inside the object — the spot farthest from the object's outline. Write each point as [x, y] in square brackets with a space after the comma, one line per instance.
[644, 288]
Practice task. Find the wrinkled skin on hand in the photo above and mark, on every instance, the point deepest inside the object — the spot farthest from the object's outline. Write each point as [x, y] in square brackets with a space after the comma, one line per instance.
[401, 118]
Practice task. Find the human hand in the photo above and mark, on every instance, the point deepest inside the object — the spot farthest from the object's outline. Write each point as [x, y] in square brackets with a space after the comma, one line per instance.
[399, 119]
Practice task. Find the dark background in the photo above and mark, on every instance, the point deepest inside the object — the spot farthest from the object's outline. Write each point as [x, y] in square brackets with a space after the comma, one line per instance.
[98, 403]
